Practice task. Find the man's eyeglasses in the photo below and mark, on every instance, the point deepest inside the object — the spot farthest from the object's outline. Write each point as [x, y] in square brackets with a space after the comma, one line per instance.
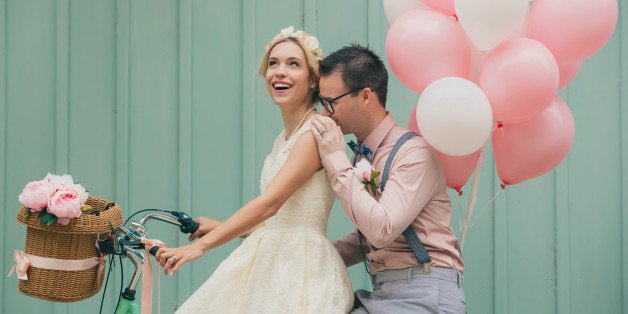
[327, 102]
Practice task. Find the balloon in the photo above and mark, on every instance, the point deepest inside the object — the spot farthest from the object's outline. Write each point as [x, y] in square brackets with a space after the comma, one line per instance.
[489, 22]
[568, 73]
[443, 6]
[424, 45]
[529, 149]
[573, 29]
[454, 116]
[520, 77]
[395, 8]
[457, 169]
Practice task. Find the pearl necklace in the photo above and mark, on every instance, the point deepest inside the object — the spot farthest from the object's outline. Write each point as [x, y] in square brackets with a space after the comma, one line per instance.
[307, 113]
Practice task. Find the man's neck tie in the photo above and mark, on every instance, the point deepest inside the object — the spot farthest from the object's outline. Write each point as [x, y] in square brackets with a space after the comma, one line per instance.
[360, 150]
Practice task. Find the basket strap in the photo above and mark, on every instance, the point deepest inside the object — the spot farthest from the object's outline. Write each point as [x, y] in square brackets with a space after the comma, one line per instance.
[24, 260]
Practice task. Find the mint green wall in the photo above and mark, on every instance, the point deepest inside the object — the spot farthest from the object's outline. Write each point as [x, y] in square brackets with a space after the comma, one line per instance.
[157, 103]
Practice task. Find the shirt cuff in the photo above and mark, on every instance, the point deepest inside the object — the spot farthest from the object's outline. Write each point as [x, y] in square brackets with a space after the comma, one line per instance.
[335, 162]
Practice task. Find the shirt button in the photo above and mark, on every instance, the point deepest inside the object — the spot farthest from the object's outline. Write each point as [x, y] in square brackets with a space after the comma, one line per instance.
[382, 263]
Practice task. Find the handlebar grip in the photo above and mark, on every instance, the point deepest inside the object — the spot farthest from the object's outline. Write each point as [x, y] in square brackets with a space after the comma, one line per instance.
[153, 250]
[192, 227]
[188, 225]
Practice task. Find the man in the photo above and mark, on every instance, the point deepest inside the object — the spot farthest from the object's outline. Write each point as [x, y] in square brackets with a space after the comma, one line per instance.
[353, 88]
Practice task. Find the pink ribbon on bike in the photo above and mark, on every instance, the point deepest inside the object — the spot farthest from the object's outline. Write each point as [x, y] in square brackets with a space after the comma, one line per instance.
[24, 260]
[147, 279]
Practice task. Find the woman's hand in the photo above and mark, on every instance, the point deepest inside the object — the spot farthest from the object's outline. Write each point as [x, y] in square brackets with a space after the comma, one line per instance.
[205, 225]
[173, 258]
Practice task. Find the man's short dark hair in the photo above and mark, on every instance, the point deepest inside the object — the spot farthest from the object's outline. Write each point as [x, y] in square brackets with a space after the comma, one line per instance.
[359, 67]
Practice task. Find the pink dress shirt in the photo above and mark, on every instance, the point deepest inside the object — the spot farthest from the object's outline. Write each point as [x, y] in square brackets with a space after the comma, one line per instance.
[415, 193]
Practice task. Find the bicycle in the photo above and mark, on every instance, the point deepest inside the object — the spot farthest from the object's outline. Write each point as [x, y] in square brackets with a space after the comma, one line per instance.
[126, 242]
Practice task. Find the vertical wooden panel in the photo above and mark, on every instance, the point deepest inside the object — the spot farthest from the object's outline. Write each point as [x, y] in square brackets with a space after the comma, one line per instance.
[5, 258]
[622, 32]
[530, 243]
[249, 108]
[30, 118]
[92, 90]
[62, 19]
[153, 104]
[594, 189]
[563, 247]
[185, 130]
[122, 98]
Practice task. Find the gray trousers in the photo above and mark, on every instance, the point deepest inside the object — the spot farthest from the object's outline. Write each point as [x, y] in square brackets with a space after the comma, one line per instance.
[409, 290]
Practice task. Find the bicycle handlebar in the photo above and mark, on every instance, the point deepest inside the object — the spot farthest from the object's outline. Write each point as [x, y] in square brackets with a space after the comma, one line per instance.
[126, 240]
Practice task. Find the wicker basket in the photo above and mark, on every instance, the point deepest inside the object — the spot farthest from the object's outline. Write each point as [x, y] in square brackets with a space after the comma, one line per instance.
[74, 241]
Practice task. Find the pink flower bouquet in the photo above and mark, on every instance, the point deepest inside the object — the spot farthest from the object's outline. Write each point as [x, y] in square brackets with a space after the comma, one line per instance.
[365, 172]
[56, 198]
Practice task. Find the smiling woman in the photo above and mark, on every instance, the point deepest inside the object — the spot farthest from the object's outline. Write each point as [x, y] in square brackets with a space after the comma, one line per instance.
[286, 264]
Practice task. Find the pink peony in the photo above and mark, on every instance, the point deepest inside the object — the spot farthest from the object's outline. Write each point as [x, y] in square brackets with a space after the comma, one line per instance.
[66, 203]
[83, 195]
[59, 181]
[35, 195]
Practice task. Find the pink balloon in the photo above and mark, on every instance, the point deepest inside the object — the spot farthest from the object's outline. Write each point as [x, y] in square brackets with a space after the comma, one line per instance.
[573, 29]
[529, 149]
[520, 78]
[457, 169]
[424, 45]
[568, 73]
[443, 6]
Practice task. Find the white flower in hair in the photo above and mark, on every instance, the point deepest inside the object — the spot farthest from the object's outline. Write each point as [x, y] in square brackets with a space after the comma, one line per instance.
[310, 42]
[287, 32]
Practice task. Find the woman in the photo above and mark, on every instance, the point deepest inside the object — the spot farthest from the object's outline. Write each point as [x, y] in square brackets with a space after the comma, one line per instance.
[287, 265]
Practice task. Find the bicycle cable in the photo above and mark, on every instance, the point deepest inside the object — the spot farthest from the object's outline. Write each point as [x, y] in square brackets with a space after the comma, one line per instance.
[104, 291]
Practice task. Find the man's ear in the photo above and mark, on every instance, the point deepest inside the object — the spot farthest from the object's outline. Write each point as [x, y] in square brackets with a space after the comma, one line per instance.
[367, 95]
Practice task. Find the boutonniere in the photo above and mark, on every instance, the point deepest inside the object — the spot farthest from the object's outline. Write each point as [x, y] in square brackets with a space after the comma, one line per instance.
[367, 174]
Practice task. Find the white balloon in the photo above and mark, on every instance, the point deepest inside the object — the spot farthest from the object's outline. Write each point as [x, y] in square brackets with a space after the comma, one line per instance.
[395, 8]
[489, 22]
[454, 116]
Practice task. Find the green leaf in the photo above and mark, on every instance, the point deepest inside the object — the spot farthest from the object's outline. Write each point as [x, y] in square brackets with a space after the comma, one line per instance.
[86, 208]
[46, 218]
[374, 175]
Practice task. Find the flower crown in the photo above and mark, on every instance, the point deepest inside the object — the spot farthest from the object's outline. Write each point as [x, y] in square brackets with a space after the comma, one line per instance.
[308, 40]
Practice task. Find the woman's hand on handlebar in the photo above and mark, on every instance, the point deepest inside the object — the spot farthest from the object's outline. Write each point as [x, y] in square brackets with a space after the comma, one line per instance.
[205, 225]
[171, 259]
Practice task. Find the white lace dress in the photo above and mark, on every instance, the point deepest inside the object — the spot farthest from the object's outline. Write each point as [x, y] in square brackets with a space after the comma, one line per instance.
[288, 266]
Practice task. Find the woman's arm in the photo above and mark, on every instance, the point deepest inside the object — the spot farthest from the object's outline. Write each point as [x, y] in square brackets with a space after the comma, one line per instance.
[302, 162]
[206, 225]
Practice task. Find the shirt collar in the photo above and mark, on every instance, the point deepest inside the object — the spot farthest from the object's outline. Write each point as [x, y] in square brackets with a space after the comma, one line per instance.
[376, 137]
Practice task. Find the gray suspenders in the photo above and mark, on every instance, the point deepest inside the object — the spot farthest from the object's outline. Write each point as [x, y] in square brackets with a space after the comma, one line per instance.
[413, 240]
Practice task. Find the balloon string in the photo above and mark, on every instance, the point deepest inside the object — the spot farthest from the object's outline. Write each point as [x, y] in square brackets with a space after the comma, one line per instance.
[472, 197]
[485, 207]
[460, 213]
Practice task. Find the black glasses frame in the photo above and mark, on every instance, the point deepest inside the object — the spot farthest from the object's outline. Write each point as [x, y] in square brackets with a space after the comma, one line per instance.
[327, 103]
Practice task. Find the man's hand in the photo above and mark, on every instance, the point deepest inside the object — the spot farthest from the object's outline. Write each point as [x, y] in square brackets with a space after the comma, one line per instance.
[205, 225]
[328, 135]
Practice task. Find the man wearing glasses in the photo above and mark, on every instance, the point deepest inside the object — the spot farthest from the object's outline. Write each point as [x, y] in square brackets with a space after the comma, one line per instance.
[403, 232]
